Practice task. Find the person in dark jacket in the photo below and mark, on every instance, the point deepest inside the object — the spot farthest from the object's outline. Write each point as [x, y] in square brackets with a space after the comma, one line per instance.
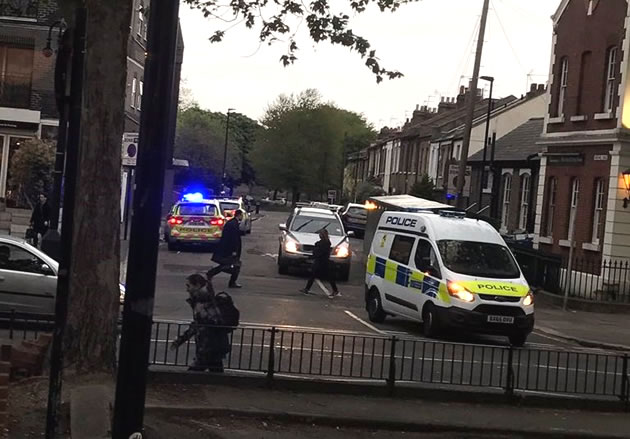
[322, 267]
[228, 253]
[40, 218]
[211, 343]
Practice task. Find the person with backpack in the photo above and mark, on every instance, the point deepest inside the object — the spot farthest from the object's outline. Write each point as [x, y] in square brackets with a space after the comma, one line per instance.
[322, 267]
[214, 318]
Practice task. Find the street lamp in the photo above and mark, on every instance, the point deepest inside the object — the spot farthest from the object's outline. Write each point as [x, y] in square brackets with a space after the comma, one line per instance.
[227, 128]
[485, 139]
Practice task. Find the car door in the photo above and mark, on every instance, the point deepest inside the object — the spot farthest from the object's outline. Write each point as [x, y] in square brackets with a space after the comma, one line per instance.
[27, 284]
[428, 267]
[398, 275]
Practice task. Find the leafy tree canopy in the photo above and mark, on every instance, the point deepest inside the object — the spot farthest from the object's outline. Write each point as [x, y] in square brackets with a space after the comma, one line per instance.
[31, 171]
[273, 18]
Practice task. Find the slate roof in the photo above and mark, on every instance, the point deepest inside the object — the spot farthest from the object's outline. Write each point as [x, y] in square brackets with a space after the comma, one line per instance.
[516, 145]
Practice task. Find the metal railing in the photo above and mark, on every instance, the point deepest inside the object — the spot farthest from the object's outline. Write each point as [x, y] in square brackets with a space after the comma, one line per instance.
[15, 91]
[271, 351]
[24, 326]
[23, 9]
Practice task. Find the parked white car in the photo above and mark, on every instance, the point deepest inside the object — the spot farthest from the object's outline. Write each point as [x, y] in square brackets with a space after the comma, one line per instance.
[28, 278]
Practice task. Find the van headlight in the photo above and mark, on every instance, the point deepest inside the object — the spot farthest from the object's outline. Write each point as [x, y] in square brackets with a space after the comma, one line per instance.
[342, 250]
[291, 245]
[458, 291]
[529, 299]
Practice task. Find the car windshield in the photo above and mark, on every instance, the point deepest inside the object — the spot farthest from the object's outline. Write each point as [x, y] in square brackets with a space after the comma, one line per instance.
[358, 212]
[311, 224]
[229, 206]
[196, 209]
[478, 259]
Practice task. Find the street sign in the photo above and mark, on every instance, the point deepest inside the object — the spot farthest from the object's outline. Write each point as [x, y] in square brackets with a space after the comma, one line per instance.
[130, 149]
[332, 196]
[453, 173]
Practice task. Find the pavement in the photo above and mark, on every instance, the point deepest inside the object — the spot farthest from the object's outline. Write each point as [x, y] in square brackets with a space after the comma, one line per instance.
[203, 403]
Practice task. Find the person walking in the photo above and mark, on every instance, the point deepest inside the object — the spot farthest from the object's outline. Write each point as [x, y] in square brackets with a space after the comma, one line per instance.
[40, 218]
[228, 254]
[322, 267]
[211, 338]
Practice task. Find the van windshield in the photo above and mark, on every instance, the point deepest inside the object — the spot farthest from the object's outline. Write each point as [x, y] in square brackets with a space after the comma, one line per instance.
[478, 259]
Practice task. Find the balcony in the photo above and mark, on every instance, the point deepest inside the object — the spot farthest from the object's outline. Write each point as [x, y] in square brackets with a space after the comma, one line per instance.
[15, 91]
[19, 8]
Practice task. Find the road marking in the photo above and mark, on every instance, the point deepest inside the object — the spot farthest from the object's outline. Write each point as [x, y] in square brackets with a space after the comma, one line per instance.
[363, 322]
[321, 285]
[270, 255]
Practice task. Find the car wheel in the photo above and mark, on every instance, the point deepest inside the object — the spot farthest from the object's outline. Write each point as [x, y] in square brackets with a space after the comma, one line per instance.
[283, 267]
[518, 340]
[430, 323]
[374, 307]
[344, 274]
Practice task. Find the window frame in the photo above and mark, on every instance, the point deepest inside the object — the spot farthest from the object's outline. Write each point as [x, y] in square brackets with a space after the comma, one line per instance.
[552, 193]
[599, 202]
[39, 260]
[506, 200]
[134, 89]
[523, 218]
[398, 238]
[611, 79]
[574, 198]
[433, 256]
[564, 82]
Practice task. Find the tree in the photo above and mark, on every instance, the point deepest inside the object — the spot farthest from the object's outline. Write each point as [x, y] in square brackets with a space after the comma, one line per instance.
[31, 170]
[367, 189]
[423, 188]
[90, 344]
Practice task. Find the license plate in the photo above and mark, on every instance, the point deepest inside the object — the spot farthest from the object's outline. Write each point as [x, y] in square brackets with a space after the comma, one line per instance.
[501, 319]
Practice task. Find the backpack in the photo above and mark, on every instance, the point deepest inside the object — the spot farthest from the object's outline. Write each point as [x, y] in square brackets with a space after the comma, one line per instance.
[229, 312]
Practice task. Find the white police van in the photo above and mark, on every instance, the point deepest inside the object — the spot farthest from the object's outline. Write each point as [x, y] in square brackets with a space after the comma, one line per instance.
[448, 272]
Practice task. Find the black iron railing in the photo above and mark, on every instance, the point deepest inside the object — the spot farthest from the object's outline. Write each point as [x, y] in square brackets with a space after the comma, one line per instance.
[24, 326]
[272, 351]
[20, 9]
[15, 91]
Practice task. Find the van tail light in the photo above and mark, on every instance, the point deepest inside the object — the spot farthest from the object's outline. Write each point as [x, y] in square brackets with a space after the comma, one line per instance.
[217, 222]
[175, 220]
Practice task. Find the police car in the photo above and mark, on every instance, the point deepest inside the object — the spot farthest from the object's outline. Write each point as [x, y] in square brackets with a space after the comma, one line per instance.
[448, 272]
[194, 220]
[230, 205]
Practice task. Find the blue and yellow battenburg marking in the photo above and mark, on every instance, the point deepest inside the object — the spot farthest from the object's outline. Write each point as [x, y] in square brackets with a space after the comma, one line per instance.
[401, 275]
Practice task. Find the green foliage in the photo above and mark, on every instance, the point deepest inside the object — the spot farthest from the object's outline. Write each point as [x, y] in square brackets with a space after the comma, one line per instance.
[302, 147]
[201, 140]
[367, 189]
[423, 188]
[275, 20]
[32, 171]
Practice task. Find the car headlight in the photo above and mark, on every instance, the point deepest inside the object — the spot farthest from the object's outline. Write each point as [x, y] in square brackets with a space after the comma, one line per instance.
[342, 250]
[291, 245]
[529, 299]
[458, 291]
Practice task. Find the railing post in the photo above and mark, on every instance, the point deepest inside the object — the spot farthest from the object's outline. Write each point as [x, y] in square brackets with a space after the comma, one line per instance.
[272, 356]
[391, 380]
[509, 385]
[11, 323]
[625, 382]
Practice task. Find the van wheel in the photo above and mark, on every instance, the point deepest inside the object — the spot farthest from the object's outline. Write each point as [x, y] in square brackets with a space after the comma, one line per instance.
[518, 340]
[374, 307]
[430, 323]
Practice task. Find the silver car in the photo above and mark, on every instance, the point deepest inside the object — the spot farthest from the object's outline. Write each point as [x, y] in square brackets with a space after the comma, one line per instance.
[28, 278]
[301, 232]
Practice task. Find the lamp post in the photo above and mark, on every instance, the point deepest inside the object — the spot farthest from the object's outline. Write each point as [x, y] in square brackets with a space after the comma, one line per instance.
[227, 129]
[51, 240]
[485, 139]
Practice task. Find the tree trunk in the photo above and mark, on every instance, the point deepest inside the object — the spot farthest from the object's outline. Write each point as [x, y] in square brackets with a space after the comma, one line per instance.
[90, 342]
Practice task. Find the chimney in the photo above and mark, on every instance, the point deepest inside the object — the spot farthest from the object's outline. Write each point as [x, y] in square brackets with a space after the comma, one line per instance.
[542, 88]
[421, 114]
[461, 97]
[446, 104]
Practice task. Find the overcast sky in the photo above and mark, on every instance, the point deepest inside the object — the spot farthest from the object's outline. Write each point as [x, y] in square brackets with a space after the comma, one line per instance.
[431, 42]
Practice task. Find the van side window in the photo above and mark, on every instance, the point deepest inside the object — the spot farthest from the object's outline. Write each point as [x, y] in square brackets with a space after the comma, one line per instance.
[401, 249]
[426, 259]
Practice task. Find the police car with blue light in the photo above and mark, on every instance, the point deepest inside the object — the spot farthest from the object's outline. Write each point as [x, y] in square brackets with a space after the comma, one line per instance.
[448, 272]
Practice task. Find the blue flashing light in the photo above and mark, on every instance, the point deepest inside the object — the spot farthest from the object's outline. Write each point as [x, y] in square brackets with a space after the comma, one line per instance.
[451, 196]
[194, 197]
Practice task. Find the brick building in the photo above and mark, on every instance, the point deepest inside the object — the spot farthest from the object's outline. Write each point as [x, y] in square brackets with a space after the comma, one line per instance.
[585, 142]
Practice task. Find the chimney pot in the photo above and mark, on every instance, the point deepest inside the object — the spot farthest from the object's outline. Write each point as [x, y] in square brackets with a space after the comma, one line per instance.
[417, 107]
[533, 87]
[541, 87]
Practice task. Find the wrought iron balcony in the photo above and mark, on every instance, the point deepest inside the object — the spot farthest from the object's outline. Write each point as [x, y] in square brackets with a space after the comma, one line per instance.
[19, 8]
[15, 91]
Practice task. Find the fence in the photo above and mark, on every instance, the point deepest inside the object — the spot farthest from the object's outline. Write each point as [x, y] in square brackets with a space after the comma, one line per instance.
[271, 351]
[24, 326]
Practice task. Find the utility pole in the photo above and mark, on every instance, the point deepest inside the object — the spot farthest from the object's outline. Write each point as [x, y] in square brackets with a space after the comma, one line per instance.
[153, 154]
[472, 100]
[227, 131]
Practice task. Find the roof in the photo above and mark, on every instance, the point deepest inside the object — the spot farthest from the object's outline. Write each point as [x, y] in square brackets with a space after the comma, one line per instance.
[408, 202]
[518, 144]
[315, 211]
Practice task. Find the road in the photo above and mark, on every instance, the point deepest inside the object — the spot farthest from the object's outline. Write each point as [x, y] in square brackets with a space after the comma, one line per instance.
[358, 348]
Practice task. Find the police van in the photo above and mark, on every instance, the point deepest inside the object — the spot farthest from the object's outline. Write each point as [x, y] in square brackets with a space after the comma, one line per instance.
[448, 272]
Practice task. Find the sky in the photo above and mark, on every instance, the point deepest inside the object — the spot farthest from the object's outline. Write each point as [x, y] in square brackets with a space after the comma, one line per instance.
[432, 42]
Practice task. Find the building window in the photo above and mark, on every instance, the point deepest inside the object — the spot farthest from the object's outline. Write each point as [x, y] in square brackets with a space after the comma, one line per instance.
[611, 67]
[16, 72]
[142, 25]
[564, 81]
[524, 208]
[598, 210]
[140, 91]
[134, 89]
[551, 205]
[21, 9]
[575, 195]
[507, 197]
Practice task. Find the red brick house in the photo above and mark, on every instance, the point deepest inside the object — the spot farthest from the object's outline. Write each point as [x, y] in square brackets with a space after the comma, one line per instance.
[585, 142]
